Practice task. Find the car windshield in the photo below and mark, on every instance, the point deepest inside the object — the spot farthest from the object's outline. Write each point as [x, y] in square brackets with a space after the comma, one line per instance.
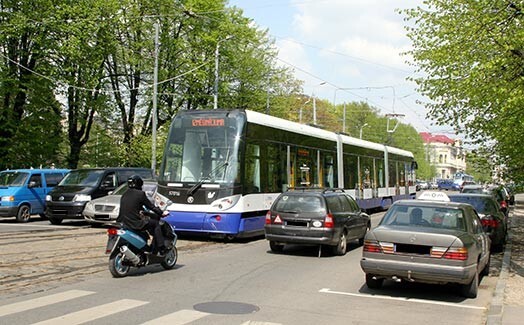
[424, 216]
[481, 204]
[297, 204]
[13, 178]
[82, 178]
[120, 190]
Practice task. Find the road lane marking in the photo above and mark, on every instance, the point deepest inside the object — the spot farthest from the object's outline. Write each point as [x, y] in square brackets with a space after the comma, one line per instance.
[421, 301]
[90, 314]
[180, 317]
[42, 301]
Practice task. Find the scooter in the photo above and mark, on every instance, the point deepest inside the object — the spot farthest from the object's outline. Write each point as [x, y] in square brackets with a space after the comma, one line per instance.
[129, 248]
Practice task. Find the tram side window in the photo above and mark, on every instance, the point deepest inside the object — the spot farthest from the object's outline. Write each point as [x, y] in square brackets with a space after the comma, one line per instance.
[402, 172]
[366, 168]
[350, 171]
[275, 162]
[393, 173]
[252, 169]
[329, 171]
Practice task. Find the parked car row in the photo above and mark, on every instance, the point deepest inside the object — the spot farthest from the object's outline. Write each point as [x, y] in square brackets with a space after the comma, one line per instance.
[59, 194]
[425, 185]
[501, 193]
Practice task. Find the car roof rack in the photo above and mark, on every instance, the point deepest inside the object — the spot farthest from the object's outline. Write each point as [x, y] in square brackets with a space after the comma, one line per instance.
[305, 188]
[333, 190]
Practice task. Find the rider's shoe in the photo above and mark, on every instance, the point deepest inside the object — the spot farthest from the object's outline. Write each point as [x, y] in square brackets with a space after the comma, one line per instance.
[162, 251]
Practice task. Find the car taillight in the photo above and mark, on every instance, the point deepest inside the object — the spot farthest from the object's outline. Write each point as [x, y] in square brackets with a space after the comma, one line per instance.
[460, 253]
[503, 204]
[372, 246]
[268, 218]
[112, 231]
[328, 221]
[489, 221]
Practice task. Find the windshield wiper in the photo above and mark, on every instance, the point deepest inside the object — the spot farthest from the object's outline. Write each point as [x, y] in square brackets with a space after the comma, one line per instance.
[195, 187]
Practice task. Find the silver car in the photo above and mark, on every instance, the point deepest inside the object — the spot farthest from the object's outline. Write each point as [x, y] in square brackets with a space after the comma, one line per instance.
[105, 209]
[428, 241]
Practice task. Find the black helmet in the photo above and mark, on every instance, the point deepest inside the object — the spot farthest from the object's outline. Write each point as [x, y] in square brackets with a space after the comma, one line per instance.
[135, 182]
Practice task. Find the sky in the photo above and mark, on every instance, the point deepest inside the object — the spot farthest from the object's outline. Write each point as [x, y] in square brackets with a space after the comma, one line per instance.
[347, 50]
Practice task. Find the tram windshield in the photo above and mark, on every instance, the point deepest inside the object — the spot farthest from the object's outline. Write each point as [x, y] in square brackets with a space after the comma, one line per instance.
[203, 147]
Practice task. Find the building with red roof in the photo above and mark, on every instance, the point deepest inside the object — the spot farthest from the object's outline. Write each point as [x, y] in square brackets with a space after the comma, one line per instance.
[447, 155]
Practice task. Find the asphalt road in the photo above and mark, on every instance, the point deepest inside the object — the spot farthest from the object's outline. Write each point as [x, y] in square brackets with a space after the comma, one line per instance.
[59, 275]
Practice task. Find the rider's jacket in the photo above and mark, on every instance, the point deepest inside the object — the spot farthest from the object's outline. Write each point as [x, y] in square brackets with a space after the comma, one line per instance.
[132, 202]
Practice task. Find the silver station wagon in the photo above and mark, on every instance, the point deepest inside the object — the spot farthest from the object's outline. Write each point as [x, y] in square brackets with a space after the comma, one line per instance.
[430, 241]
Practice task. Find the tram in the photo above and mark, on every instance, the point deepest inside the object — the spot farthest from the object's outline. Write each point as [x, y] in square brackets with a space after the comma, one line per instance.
[222, 169]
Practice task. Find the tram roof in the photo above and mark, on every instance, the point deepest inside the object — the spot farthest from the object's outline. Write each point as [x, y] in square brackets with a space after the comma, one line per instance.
[282, 124]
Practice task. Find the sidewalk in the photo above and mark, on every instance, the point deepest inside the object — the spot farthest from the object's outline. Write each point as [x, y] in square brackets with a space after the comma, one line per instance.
[507, 307]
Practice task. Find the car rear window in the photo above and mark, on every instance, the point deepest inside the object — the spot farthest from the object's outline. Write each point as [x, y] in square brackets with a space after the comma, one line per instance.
[422, 216]
[298, 203]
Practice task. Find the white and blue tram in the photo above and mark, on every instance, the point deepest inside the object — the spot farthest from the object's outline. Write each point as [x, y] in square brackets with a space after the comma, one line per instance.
[222, 169]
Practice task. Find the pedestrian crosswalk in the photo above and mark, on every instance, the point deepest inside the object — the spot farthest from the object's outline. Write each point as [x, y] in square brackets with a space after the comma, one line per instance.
[102, 311]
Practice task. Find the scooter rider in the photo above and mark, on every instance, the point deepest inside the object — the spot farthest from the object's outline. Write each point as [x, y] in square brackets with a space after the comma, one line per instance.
[132, 203]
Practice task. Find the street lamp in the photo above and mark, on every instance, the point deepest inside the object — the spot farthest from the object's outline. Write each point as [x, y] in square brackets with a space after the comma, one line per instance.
[365, 124]
[215, 93]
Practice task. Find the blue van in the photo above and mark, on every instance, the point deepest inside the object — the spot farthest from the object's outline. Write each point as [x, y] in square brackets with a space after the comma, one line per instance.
[23, 191]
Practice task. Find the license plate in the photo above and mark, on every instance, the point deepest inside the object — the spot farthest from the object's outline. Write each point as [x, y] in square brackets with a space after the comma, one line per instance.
[111, 242]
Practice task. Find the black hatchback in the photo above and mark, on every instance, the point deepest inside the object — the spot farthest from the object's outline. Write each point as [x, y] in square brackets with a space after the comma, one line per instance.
[328, 217]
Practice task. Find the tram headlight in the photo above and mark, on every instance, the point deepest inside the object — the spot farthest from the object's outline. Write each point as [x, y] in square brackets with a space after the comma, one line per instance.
[226, 203]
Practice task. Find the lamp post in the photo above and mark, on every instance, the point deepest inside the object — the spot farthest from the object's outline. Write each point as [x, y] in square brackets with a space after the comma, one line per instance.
[217, 50]
[365, 124]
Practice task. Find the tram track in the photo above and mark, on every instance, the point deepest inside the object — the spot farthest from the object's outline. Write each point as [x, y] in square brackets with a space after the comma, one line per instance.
[39, 260]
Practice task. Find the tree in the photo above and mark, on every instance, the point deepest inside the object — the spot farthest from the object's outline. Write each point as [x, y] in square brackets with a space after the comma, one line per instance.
[470, 55]
[30, 131]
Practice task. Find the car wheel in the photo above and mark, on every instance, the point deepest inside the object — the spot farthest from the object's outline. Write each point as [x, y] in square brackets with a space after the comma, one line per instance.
[341, 247]
[471, 290]
[277, 248]
[24, 213]
[55, 221]
[373, 283]
[361, 240]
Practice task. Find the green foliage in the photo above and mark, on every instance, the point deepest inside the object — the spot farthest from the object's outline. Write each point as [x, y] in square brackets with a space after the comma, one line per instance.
[471, 55]
[479, 165]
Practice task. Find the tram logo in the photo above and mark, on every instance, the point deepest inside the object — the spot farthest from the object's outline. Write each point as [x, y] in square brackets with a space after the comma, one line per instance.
[190, 199]
[211, 195]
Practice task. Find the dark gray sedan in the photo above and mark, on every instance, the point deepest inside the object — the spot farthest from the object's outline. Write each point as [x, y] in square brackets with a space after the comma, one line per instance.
[428, 241]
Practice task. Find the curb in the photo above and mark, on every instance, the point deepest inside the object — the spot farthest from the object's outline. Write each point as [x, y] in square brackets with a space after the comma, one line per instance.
[496, 308]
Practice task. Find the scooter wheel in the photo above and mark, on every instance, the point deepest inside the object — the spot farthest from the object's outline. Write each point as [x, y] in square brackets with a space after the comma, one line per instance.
[117, 269]
[170, 259]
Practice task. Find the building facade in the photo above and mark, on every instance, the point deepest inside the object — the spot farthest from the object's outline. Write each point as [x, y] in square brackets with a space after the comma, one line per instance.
[446, 155]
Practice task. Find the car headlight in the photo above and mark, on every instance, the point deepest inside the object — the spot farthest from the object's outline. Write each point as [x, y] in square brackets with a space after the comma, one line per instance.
[226, 203]
[82, 198]
[89, 206]
[8, 198]
[48, 198]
